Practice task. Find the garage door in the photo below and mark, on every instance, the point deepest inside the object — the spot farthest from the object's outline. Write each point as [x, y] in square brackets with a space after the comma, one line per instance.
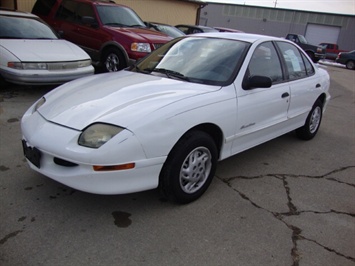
[317, 34]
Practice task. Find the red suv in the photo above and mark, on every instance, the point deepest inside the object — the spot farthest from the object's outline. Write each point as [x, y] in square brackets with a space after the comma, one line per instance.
[113, 35]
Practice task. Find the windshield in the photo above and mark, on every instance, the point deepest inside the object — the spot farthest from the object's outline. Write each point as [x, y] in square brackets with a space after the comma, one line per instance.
[119, 16]
[171, 31]
[24, 28]
[204, 60]
[302, 39]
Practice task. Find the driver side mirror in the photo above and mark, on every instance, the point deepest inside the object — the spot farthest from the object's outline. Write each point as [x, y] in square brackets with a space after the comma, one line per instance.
[257, 82]
[86, 20]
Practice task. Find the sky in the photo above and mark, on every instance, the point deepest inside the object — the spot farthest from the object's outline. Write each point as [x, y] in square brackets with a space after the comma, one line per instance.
[329, 6]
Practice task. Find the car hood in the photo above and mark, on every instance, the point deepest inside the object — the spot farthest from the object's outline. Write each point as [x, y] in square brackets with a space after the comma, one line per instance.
[123, 98]
[44, 50]
[142, 34]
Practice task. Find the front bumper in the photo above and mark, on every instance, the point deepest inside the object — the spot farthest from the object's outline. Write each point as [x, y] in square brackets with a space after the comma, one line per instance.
[44, 77]
[56, 143]
[319, 56]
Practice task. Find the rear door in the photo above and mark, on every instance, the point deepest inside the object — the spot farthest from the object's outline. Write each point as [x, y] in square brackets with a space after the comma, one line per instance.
[303, 82]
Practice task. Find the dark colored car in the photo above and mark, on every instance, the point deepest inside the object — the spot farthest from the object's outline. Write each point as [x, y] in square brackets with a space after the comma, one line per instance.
[165, 28]
[222, 29]
[347, 59]
[313, 51]
[113, 35]
[192, 29]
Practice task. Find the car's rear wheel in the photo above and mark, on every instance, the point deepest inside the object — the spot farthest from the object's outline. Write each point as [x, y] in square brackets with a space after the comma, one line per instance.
[189, 168]
[310, 128]
[350, 64]
[113, 60]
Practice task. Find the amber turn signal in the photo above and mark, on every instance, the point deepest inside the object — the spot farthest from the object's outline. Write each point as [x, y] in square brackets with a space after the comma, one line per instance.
[114, 167]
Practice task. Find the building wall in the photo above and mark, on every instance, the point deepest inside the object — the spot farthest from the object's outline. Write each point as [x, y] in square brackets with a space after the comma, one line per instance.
[10, 4]
[166, 11]
[276, 22]
[170, 12]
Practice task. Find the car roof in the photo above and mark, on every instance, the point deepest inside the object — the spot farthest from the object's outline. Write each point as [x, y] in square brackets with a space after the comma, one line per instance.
[246, 37]
[17, 14]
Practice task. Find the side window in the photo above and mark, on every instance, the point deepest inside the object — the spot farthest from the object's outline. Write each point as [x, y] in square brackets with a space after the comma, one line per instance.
[309, 66]
[294, 62]
[265, 62]
[292, 37]
[84, 11]
[66, 11]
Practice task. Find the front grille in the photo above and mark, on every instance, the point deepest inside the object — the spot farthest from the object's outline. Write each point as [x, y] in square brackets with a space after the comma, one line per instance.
[157, 45]
[62, 66]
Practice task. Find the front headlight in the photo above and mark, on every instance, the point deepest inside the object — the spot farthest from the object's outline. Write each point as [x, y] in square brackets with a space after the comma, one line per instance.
[28, 66]
[140, 47]
[84, 63]
[98, 134]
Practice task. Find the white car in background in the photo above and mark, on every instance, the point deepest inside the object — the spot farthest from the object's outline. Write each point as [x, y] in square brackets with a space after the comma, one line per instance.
[32, 54]
[168, 120]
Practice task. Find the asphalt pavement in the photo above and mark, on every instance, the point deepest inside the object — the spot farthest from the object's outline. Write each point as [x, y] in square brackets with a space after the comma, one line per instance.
[285, 202]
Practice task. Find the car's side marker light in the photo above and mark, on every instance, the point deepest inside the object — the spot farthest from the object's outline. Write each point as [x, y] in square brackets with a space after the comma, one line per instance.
[114, 167]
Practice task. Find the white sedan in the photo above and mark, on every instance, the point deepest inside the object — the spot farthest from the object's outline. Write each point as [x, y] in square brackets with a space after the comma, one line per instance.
[32, 54]
[168, 120]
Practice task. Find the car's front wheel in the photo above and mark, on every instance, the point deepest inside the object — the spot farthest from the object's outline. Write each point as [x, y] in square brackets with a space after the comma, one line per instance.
[189, 168]
[113, 60]
[312, 124]
[350, 64]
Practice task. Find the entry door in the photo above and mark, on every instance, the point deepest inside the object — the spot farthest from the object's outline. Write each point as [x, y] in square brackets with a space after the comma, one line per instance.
[262, 111]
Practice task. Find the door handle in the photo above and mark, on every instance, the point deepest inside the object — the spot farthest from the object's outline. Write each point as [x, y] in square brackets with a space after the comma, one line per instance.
[285, 94]
[318, 85]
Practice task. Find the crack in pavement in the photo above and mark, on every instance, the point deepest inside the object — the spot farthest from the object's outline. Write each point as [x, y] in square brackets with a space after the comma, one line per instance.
[293, 211]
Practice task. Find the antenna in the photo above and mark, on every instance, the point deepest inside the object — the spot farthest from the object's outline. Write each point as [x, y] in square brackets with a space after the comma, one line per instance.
[275, 3]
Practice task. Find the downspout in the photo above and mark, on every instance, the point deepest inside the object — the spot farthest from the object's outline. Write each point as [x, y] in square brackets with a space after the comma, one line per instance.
[198, 15]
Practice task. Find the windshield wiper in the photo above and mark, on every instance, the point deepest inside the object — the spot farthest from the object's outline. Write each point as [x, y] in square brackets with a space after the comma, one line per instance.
[115, 24]
[168, 73]
[137, 26]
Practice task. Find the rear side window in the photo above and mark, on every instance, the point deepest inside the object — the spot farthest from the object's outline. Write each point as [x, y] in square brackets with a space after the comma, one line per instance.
[309, 66]
[43, 7]
[294, 61]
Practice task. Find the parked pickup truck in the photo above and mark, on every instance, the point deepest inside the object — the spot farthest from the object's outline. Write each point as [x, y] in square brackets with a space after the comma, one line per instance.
[331, 50]
[314, 52]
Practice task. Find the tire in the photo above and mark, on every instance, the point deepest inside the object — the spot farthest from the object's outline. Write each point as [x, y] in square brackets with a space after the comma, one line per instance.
[350, 64]
[113, 60]
[310, 128]
[3, 83]
[189, 168]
